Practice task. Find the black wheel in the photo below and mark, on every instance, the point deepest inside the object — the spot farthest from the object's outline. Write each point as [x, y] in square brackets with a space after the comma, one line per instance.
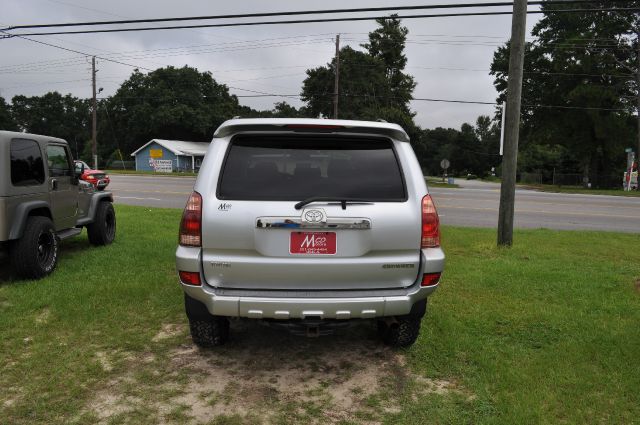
[209, 332]
[103, 230]
[35, 255]
[206, 330]
[402, 332]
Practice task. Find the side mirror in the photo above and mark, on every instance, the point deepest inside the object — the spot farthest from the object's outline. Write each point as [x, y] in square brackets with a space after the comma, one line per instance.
[79, 171]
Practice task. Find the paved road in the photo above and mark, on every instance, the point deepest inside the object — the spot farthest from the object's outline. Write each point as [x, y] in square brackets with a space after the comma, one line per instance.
[475, 204]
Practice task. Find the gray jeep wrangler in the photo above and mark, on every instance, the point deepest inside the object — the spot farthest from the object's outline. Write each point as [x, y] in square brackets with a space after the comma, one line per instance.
[42, 202]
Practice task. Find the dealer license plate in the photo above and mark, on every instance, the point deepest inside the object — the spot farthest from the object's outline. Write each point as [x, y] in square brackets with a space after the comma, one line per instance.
[323, 243]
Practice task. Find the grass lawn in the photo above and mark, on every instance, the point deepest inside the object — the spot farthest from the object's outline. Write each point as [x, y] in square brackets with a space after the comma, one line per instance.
[545, 332]
[581, 190]
[437, 182]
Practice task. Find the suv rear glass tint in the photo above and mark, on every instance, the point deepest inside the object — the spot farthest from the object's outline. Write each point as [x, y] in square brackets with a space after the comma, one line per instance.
[27, 168]
[285, 168]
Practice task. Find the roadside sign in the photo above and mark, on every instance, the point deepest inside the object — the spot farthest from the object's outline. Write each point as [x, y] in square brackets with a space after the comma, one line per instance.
[155, 153]
[164, 166]
[504, 115]
[444, 164]
[628, 150]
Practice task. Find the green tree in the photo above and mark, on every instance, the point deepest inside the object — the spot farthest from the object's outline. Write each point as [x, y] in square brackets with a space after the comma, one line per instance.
[576, 88]
[387, 44]
[284, 110]
[372, 84]
[53, 114]
[6, 119]
[168, 103]
[364, 89]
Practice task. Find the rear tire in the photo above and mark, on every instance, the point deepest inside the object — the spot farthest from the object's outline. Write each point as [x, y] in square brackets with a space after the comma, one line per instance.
[209, 332]
[103, 229]
[206, 330]
[35, 254]
[403, 332]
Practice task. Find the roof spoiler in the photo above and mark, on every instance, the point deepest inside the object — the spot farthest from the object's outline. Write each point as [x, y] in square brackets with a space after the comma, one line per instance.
[233, 126]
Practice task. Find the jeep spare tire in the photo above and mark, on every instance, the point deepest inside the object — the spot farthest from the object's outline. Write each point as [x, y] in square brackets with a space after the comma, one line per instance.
[103, 229]
[35, 254]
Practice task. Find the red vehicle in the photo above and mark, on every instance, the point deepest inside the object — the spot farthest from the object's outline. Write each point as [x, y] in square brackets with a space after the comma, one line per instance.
[96, 177]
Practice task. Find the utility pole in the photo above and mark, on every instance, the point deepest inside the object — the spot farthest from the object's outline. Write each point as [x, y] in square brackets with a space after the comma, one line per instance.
[94, 151]
[638, 100]
[336, 84]
[512, 124]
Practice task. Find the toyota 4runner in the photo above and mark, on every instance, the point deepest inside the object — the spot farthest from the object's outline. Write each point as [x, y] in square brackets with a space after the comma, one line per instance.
[42, 202]
[310, 224]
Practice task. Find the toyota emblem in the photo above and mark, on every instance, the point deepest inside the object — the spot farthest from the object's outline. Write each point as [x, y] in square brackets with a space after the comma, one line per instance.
[313, 216]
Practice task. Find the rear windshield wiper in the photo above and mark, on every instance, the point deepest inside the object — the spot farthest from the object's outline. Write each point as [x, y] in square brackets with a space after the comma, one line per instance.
[343, 201]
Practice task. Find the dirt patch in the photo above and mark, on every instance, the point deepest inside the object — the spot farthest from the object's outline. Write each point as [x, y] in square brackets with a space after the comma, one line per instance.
[169, 331]
[43, 316]
[266, 375]
[637, 285]
[9, 402]
[104, 361]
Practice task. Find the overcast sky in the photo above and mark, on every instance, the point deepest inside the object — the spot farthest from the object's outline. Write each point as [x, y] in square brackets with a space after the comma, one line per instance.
[449, 57]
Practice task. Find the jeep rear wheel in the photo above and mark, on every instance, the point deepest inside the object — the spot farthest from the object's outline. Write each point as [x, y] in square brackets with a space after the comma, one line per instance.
[103, 230]
[35, 255]
[402, 332]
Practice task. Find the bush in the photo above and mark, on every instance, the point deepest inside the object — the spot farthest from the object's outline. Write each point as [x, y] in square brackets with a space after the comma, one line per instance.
[472, 177]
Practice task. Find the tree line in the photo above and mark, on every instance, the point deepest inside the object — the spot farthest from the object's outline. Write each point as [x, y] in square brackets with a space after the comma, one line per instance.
[578, 95]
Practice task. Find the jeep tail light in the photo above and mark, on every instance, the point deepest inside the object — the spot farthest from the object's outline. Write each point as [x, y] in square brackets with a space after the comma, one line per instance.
[191, 224]
[430, 224]
[190, 278]
[428, 279]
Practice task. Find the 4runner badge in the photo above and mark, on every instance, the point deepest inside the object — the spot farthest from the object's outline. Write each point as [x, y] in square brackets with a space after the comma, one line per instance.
[224, 207]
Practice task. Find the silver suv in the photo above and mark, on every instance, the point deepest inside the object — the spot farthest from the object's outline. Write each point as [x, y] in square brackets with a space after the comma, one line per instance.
[310, 224]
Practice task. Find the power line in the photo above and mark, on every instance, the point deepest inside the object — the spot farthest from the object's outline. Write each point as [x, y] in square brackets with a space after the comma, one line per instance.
[78, 52]
[296, 13]
[258, 94]
[319, 20]
[201, 49]
[197, 49]
[45, 83]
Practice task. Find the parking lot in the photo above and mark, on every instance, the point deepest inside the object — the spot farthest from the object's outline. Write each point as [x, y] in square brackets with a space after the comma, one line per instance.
[474, 204]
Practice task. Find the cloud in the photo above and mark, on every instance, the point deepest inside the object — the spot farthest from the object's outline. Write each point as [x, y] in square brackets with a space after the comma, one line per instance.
[270, 59]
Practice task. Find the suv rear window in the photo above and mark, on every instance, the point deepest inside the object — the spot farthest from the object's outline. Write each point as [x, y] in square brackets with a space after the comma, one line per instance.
[27, 168]
[283, 168]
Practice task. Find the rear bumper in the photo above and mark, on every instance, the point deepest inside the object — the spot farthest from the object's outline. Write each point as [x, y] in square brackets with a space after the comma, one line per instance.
[332, 304]
[275, 307]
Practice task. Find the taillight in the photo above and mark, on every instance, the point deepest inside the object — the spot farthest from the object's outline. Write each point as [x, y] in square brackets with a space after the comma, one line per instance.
[190, 278]
[191, 224]
[430, 224]
[430, 279]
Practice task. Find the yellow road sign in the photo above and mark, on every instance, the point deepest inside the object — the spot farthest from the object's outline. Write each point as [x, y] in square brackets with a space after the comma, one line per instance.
[155, 153]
